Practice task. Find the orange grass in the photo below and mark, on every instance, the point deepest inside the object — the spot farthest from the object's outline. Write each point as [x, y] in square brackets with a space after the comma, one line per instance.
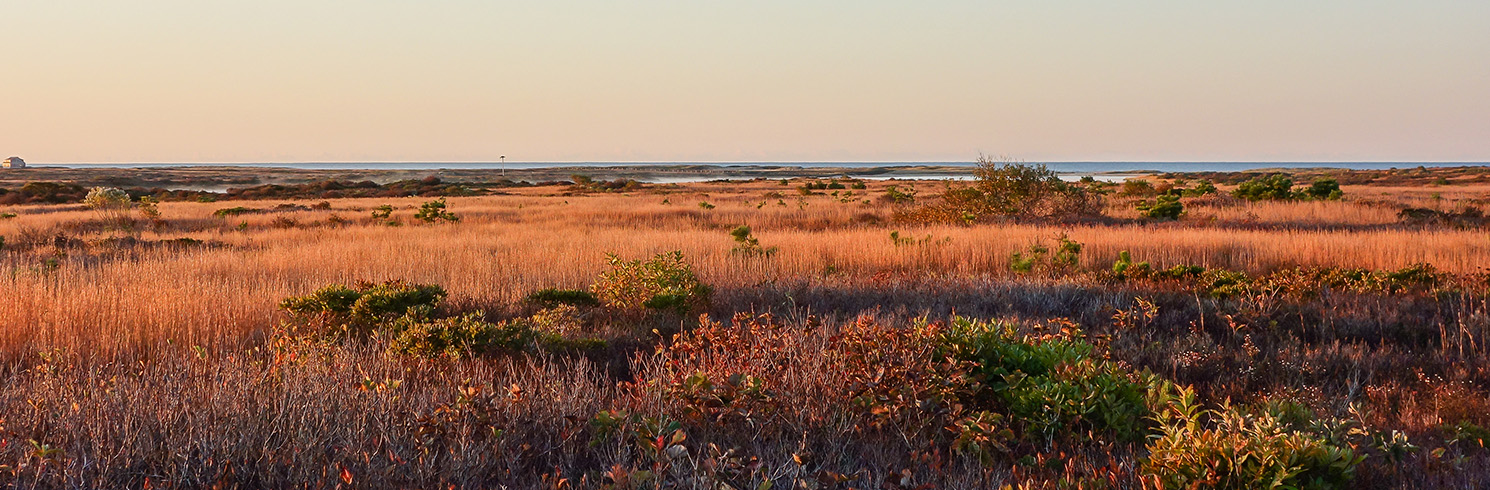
[118, 298]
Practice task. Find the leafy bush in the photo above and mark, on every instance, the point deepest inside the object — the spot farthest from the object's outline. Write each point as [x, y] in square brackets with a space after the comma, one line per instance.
[1279, 187]
[1067, 253]
[663, 282]
[1137, 188]
[459, 336]
[585, 183]
[1164, 207]
[1204, 187]
[1016, 189]
[1067, 256]
[1050, 385]
[106, 198]
[111, 204]
[432, 211]
[1124, 267]
[746, 243]
[1276, 187]
[339, 311]
[896, 195]
[553, 297]
[1024, 262]
[1237, 450]
[1222, 283]
[382, 212]
[234, 211]
[1009, 189]
[1324, 188]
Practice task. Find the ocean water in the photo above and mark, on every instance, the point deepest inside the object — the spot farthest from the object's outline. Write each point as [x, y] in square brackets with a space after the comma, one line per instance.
[1070, 171]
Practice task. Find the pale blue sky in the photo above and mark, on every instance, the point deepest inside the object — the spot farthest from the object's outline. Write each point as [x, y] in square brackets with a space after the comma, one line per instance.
[271, 80]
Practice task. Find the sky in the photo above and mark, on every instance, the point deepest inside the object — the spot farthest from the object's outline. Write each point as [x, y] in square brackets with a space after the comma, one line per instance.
[763, 80]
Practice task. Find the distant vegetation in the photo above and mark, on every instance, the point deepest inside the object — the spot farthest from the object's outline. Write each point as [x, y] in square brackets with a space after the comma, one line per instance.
[55, 193]
[1015, 331]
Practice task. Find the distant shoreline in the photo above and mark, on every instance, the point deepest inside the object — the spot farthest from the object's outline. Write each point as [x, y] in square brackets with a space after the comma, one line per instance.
[224, 176]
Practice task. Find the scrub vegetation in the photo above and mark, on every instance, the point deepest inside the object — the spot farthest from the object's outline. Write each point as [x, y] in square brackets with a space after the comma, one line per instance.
[1018, 330]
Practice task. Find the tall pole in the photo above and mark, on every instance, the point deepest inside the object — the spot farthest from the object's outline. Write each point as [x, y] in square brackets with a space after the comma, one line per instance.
[504, 166]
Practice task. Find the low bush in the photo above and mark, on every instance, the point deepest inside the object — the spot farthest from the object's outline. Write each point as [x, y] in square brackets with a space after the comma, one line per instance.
[587, 184]
[664, 282]
[553, 297]
[1279, 187]
[1137, 188]
[1165, 207]
[433, 211]
[1230, 449]
[747, 245]
[1275, 187]
[1009, 189]
[1050, 385]
[339, 311]
[234, 211]
[1202, 188]
[1124, 267]
[896, 195]
[1066, 258]
[460, 336]
[1323, 188]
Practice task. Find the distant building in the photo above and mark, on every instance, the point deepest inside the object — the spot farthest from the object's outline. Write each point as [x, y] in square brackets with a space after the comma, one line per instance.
[13, 162]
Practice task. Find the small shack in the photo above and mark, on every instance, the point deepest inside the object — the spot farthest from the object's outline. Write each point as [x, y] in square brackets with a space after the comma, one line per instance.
[13, 162]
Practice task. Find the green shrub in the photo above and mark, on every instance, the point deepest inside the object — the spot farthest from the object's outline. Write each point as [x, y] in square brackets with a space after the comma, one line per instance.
[1067, 253]
[552, 297]
[1180, 272]
[1137, 188]
[663, 282]
[1276, 187]
[338, 310]
[1222, 283]
[1050, 386]
[746, 243]
[1229, 449]
[382, 212]
[1025, 262]
[432, 211]
[1010, 189]
[896, 195]
[1324, 188]
[234, 211]
[459, 336]
[1412, 276]
[1201, 188]
[1067, 256]
[1016, 189]
[1124, 267]
[106, 198]
[1165, 207]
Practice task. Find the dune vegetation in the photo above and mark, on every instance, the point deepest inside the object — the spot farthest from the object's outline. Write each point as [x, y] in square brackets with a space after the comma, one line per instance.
[1016, 330]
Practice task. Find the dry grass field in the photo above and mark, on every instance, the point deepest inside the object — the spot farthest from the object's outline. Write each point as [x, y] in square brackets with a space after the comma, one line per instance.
[153, 355]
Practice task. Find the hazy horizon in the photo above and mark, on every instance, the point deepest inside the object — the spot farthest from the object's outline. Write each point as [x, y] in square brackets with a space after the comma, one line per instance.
[652, 81]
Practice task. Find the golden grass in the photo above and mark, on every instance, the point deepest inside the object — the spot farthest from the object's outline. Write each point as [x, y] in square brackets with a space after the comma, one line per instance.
[122, 297]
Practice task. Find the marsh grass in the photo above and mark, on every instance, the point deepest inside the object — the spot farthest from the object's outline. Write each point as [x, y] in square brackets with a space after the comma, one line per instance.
[153, 357]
